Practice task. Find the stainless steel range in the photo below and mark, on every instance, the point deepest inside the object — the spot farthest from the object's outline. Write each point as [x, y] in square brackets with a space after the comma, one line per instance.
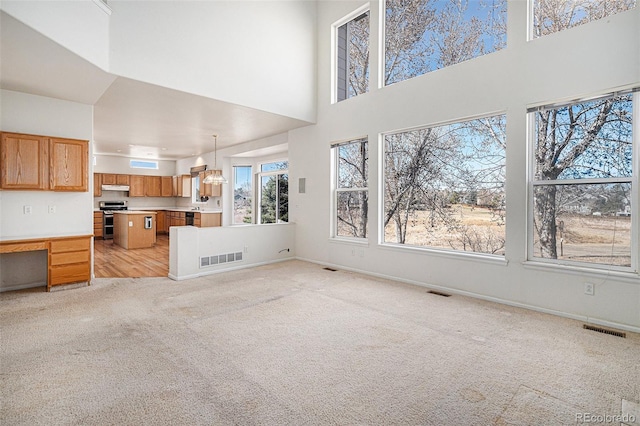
[108, 207]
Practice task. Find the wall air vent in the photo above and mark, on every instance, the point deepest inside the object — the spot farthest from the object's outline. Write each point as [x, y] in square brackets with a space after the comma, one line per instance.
[329, 269]
[605, 331]
[218, 259]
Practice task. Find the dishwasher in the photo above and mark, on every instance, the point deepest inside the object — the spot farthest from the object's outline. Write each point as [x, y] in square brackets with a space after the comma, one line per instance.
[188, 218]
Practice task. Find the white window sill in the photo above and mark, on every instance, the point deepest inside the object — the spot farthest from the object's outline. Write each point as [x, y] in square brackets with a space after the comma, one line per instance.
[362, 242]
[631, 277]
[457, 255]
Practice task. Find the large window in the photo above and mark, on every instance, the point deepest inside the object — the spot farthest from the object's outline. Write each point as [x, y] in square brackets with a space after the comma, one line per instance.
[583, 186]
[550, 16]
[274, 192]
[352, 57]
[426, 35]
[351, 195]
[444, 186]
[242, 195]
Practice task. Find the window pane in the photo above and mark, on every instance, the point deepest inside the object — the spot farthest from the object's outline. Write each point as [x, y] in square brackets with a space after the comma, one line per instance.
[584, 223]
[444, 186]
[352, 208]
[278, 165]
[242, 195]
[353, 165]
[550, 16]
[283, 198]
[269, 199]
[585, 140]
[426, 35]
[274, 204]
[353, 57]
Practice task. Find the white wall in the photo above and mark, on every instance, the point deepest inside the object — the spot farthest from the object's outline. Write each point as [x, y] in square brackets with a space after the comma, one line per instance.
[595, 58]
[51, 117]
[257, 54]
[260, 244]
[79, 25]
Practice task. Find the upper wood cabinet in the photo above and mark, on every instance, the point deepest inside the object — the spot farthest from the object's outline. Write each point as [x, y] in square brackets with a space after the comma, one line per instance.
[24, 160]
[108, 179]
[136, 186]
[152, 186]
[182, 186]
[43, 163]
[97, 185]
[166, 186]
[68, 165]
[122, 180]
[209, 190]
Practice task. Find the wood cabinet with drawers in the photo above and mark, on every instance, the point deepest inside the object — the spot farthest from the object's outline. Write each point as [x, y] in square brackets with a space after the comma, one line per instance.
[97, 224]
[68, 258]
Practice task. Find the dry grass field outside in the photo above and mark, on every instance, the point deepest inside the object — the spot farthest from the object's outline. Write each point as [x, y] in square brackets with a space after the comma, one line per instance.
[590, 239]
[593, 239]
[482, 226]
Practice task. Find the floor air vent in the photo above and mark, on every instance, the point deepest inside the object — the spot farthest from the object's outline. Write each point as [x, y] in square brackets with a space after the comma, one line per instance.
[437, 293]
[329, 269]
[604, 330]
[217, 259]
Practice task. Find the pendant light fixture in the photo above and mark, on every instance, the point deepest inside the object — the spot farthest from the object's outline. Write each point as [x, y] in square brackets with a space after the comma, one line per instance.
[216, 177]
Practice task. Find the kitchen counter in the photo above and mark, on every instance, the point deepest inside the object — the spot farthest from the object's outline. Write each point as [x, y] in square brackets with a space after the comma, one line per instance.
[134, 229]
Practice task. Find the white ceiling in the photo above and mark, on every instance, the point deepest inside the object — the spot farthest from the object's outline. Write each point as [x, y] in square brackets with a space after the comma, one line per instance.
[131, 118]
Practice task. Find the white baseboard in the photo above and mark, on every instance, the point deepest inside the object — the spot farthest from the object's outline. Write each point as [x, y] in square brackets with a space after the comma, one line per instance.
[576, 317]
[232, 268]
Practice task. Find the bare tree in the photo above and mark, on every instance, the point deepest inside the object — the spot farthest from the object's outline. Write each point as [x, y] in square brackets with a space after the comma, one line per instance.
[567, 136]
[550, 16]
[590, 139]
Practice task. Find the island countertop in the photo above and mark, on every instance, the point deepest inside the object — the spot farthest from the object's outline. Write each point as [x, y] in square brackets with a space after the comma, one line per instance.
[134, 212]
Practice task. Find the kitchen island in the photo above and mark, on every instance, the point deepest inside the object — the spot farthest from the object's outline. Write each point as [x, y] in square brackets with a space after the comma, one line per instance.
[134, 229]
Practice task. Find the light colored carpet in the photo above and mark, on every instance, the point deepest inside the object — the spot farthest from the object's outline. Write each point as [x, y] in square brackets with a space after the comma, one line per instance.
[294, 344]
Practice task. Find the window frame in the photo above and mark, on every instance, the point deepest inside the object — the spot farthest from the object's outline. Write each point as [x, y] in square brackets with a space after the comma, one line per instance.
[258, 201]
[335, 170]
[334, 49]
[251, 191]
[633, 180]
[499, 259]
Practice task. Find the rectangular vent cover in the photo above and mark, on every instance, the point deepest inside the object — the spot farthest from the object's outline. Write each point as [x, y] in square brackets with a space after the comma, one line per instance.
[217, 259]
[437, 293]
[605, 331]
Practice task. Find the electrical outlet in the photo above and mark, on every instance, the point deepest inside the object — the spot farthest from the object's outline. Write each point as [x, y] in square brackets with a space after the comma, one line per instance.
[26, 209]
[589, 289]
[52, 209]
[246, 249]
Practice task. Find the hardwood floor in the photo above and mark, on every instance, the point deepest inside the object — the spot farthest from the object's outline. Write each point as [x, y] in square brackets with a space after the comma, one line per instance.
[112, 261]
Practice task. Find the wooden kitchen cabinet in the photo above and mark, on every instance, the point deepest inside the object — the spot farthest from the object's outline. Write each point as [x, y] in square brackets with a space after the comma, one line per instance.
[209, 190]
[177, 218]
[69, 260]
[152, 186]
[68, 165]
[162, 222]
[43, 163]
[24, 161]
[97, 185]
[122, 179]
[166, 186]
[97, 224]
[136, 186]
[108, 179]
[182, 186]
